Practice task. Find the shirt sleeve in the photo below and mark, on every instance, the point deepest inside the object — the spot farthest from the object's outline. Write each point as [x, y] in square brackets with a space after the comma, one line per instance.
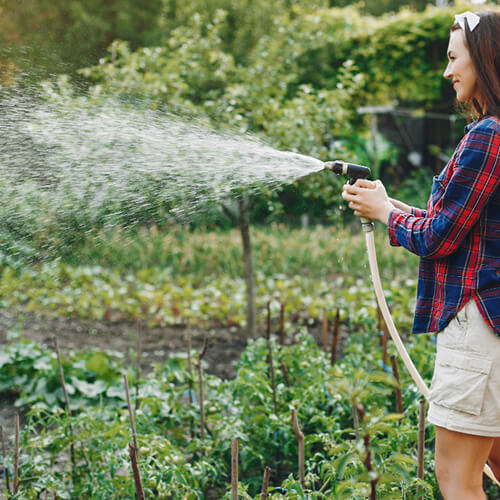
[475, 179]
[418, 212]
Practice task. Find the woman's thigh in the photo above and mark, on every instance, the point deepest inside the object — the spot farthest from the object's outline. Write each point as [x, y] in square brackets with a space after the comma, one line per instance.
[460, 457]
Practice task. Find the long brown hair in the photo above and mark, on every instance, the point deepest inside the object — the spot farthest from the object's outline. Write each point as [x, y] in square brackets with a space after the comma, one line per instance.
[484, 48]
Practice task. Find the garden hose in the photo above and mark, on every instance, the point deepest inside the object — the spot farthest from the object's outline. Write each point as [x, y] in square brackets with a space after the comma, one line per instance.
[355, 172]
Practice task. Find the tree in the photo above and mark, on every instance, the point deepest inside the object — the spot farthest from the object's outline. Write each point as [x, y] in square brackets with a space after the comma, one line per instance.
[45, 37]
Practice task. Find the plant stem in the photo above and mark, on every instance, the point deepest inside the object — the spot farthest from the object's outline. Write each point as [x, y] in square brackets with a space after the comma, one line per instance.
[355, 418]
[61, 375]
[190, 376]
[200, 382]
[300, 437]
[384, 339]
[234, 468]
[379, 322]
[282, 324]
[270, 358]
[4, 455]
[399, 398]
[265, 483]
[382, 328]
[368, 460]
[135, 469]
[285, 373]
[16, 454]
[324, 332]
[138, 362]
[421, 441]
[190, 362]
[68, 409]
[131, 415]
[335, 337]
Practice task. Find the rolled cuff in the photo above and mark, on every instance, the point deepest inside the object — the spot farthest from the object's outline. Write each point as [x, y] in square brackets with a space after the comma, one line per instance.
[391, 227]
[418, 212]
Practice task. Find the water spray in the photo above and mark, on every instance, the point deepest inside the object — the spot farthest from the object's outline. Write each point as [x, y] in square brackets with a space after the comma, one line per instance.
[356, 172]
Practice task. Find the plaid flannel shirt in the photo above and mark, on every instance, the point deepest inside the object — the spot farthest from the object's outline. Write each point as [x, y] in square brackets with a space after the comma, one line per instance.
[458, 236]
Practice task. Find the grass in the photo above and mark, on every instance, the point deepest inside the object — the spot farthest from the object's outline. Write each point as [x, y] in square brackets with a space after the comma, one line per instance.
[316, 252]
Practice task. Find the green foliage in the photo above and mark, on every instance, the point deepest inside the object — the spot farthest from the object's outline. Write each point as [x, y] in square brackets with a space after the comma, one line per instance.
[299, 86]
[41, 38]
[178, 276]
[292, 73]
[32, 372]
[176, 463]
[189, 68]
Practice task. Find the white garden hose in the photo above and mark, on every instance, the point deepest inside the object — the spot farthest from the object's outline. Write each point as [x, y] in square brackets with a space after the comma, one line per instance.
[379, 293]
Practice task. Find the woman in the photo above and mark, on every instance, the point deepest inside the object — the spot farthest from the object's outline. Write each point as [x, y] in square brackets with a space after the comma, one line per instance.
[458, 240]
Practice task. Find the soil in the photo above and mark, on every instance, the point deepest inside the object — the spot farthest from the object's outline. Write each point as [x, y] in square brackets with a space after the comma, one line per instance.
[224, 344]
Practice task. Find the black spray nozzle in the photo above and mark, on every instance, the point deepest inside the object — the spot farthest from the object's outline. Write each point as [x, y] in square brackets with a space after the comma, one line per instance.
[351, 169]
[354, 172]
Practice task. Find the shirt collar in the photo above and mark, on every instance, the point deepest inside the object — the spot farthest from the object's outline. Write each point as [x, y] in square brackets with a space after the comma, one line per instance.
[475, 122]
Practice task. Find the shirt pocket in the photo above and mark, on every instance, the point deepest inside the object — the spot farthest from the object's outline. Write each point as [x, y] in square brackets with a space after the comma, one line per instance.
[459, 381]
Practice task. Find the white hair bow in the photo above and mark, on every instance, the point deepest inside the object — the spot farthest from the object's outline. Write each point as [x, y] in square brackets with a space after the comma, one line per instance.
[472, 20]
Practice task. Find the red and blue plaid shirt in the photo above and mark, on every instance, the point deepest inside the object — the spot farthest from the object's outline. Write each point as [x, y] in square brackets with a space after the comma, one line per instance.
[458, 236]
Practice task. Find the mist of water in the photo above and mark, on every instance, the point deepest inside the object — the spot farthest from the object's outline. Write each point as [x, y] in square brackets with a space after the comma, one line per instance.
[106, 162]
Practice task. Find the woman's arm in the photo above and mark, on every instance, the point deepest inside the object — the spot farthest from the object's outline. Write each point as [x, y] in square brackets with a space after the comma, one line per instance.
[400, 205]
[475, 180]
[417, 212]
[377, 205]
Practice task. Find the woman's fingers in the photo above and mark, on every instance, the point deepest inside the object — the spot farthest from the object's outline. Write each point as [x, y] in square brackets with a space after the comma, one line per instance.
[365, 183]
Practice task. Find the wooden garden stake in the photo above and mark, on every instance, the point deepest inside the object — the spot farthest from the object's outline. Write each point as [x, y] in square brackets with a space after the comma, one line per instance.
[135, 469]
[133, 448]
[190, 363]
[131, 415]
[282, 324]
[285, 373]
[68, 409]
[324, 332]
[379, 322]
[234, 468]
[368, 460]
[200, 382]
[421, 441]
[4, 455]
[399, 398]
[61, 375]
[190, 378]
[16, 454]
[355, 418]
[300, 437]
[382, 328]
[265, 483]
[385, 337]
[335, 337]
[138, 362]
[270, 358]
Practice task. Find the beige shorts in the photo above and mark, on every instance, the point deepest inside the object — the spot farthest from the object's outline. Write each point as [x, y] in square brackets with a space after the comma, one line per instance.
[465, 389]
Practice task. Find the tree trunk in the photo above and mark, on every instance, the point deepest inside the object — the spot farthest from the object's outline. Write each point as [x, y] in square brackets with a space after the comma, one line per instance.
[247, 257]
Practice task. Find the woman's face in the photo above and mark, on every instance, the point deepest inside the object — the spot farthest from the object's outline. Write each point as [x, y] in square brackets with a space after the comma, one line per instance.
[460, 69]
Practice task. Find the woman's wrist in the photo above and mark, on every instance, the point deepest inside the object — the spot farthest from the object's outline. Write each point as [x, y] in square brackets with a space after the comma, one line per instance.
[385, 213]
[400, 205]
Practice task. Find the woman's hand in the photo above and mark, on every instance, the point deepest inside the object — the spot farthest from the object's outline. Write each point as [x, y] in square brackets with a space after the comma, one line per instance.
[368, 199]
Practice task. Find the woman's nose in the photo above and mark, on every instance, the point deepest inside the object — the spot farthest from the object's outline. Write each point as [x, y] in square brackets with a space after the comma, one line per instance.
[447, 72]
